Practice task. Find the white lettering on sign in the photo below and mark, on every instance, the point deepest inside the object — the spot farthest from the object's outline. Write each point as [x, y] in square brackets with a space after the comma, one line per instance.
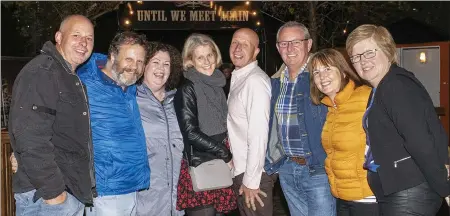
[151, 15]
[183, 15]
[194, 15]
[234, 16]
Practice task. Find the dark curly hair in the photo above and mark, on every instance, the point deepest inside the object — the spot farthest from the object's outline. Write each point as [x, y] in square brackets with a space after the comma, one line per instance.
[176, 67]
[127, 38]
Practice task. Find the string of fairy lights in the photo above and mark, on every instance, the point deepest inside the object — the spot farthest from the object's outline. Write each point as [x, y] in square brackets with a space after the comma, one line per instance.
[217, 7]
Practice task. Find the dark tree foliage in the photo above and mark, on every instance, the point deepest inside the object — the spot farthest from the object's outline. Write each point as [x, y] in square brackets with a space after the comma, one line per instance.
[330, 22]
[37, 21]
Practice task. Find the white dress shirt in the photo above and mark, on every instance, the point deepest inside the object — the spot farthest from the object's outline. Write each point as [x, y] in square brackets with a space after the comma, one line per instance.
[248, 122]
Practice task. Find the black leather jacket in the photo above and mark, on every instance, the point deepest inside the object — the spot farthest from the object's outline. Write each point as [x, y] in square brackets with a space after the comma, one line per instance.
[205, 148]
[49, 130]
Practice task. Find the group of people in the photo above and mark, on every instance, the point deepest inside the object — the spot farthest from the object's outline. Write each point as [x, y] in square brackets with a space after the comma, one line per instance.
[114, 134]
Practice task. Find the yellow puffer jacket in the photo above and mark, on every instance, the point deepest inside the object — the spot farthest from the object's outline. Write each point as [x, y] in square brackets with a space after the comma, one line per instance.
[344, 141]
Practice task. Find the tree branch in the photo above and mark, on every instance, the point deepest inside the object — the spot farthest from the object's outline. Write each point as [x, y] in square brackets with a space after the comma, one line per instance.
[59, 13]
[104, 12]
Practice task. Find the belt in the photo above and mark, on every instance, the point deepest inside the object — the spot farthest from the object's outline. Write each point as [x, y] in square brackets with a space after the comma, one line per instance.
[299, 160]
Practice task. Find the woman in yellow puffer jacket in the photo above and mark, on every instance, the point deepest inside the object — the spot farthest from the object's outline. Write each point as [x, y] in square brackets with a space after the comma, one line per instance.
[336, 85]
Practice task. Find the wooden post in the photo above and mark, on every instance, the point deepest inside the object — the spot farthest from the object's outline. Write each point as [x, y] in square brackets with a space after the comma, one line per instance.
[7, 205]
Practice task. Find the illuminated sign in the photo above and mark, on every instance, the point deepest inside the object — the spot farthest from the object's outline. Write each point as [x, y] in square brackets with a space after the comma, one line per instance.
[190, 15]
[193, 16]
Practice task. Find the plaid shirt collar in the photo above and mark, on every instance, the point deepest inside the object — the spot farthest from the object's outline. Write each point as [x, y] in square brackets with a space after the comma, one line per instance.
[285, 74]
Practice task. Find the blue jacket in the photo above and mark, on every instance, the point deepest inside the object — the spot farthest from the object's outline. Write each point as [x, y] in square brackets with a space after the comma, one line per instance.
[120, 155]
[314, 120]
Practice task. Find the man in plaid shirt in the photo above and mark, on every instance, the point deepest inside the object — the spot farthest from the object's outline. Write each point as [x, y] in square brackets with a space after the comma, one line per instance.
[295, 150]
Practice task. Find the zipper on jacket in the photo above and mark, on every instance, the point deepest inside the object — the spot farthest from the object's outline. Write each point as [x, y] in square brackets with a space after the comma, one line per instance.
[397, 161]
[171, 155]
[91, 158]
[150, 96]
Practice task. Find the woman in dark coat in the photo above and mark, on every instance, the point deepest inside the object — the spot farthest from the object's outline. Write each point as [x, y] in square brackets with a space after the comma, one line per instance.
[406, 153]
[201, 108]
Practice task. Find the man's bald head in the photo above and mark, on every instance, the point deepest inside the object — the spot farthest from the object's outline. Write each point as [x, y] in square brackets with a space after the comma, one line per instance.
[69, 20]
[251, 36]
[75, 39]
[244, 47]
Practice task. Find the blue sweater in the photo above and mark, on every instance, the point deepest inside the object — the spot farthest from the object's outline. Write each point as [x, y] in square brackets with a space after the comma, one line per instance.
[120, 154]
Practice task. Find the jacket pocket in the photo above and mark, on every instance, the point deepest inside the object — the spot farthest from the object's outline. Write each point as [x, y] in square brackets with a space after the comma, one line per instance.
[401, 160]
[70, 98]
[178, 145]
[20, 124]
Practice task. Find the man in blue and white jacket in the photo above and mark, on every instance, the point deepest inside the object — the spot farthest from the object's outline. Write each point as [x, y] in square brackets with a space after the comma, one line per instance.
[120, 155]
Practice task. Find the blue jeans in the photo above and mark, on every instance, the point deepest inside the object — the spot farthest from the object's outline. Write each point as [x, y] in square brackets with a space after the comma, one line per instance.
[25, 206]
[114, 205]
[307, 192]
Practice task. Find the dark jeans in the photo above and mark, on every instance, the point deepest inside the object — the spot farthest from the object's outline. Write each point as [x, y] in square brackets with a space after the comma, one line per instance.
[349, 208]
[266, 185]
[418, 200]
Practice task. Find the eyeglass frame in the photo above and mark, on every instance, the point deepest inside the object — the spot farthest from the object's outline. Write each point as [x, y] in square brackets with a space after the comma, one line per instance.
[363, 54]
[292, 42]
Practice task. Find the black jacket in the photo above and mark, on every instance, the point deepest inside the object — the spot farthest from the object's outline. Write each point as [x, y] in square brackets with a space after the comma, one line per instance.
[205, 147]
[407, 138]
[49, 129]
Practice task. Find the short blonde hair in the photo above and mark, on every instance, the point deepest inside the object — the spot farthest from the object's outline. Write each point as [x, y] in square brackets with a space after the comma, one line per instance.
[192, 42]
[379, 34]
[330, 58]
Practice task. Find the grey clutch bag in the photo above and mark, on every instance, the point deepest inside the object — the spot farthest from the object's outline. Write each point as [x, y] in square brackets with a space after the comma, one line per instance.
[211, 175]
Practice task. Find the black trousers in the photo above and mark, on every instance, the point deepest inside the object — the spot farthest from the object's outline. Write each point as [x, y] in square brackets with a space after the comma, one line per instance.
[206, 211]
[418, 200]
[350, 208]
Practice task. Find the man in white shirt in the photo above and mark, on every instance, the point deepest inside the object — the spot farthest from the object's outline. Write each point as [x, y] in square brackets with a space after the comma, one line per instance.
[248, 125]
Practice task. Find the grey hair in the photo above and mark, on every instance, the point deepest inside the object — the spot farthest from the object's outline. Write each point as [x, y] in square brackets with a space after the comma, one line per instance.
[295, 24]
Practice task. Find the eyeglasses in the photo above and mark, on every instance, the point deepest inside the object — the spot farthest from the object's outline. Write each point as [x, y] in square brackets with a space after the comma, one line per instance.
[295, 43]
[367, 55]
